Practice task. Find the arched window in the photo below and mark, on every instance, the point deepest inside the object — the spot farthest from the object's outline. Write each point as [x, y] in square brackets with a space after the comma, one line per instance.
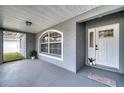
[51, 44]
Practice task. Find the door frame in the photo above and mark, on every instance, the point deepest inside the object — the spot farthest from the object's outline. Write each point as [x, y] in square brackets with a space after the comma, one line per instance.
[105, 27]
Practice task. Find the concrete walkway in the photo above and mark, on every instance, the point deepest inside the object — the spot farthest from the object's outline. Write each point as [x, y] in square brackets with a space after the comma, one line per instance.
[36, 73]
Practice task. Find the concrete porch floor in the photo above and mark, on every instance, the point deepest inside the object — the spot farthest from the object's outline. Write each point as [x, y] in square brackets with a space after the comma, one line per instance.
[36, 73]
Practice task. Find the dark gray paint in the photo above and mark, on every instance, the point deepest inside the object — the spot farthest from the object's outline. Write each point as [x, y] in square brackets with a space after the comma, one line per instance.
[1, 46]
[80, 45]
[107, 20]
[30, 43]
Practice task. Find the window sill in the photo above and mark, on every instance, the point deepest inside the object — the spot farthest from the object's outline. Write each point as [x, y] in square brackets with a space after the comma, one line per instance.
[51, 56]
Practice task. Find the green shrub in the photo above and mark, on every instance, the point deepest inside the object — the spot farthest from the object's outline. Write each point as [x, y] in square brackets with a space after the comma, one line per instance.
[12, 56]
[33, 53]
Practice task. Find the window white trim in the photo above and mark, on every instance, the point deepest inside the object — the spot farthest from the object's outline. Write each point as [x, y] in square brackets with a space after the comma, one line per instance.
[48, 55]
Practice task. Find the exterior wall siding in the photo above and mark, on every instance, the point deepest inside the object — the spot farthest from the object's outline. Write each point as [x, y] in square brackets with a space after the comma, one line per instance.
[23, 45]
[14, 46]
[74, 41]
[69, 46]
[30, 43]
[1, 47]
[80, 45]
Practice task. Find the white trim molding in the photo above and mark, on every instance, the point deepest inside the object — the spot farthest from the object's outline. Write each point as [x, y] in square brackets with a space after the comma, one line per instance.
[112, 44]
[49, 55]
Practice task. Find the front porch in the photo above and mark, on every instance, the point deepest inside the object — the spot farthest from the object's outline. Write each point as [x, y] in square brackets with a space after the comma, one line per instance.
[37, 73]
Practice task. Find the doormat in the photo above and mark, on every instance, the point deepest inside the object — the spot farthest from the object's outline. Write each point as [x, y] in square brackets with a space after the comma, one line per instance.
[101, 79]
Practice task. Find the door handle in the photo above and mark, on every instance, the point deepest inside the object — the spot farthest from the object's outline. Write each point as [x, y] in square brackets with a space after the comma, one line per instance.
[96, 47]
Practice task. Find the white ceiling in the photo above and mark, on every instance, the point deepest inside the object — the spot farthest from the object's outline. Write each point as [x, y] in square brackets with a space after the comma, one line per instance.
[42, 16]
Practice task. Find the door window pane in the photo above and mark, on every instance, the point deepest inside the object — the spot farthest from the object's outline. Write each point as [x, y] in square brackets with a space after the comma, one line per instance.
[106, 33]
[109, 33]
[91, 39]
[101, 34]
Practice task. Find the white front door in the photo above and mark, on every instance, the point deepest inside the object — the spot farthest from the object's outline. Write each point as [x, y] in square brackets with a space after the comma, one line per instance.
[106, 46]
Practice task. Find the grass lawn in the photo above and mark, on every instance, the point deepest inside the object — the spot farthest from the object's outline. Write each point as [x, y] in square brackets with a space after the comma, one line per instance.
[12, 56]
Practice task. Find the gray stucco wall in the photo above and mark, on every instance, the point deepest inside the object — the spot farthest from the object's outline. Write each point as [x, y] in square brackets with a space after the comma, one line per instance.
[1, 47]
[75, 38]
[107, 20]
[30, 43]
[23, 45]
[80, 45]
[69, 46]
